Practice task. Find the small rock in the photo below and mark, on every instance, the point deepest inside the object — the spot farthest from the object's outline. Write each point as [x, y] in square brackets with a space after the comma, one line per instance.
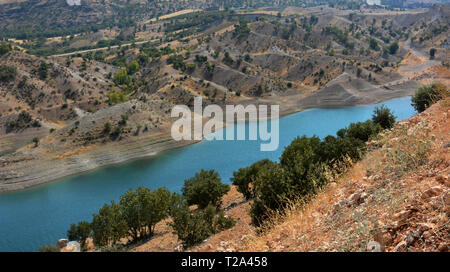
[400, 247]
[410, 237]
[223, 243]
[443, 247]
[178, 248]
[373, 246]
[446, 144]
[402, 214]
[354, 199]
[433, 191]
[62, 243]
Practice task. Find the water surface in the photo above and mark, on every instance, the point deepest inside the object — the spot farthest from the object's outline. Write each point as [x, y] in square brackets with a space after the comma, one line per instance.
[42, 215]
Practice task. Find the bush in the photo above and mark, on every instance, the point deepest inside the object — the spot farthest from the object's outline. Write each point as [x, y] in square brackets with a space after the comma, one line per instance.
[7, 73]
[107, 128]
[116, 97]
[427, 95]
[361, 130]
[49, 248]
[190, 226]
[298, 157]
[204, 188]
[384, 117]
[244, 177]
[222, 222]
[122, 77]
[392, 48]
[133, 67]
[335, 149]
[142, 209]
[43, 70]
[4, 48]
[79, 232]
[272, 189]
[432, 53]
[108, 226]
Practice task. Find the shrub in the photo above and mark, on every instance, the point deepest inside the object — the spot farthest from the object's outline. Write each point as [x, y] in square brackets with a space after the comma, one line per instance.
[432, 53]
[7, 73]
[222, 222]
[192, 227]
[392, 48]
[122, 77]
[116, 97]
[49, 248]
[36, 141]
[383, 116]
[177, 61]
[143, 208]
[244, 177]
[272, 189]
[4, 48]
[43, 70]
[204, 188]
[298, 157]
[108, 226]
[107, 128]
[335, 149]
[79, 232]
[133, 67]
[361, 130]
[189, 226]
[427, 95]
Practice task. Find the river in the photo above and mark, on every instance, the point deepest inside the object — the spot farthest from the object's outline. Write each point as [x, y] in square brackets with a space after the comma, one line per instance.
[41, 215]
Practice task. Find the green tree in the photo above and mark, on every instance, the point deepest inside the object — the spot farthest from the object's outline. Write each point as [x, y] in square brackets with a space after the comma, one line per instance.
[122, 77]
[373, 44]
[156, 207]
[432, 53]
[80, 232]
[383, 116]
[426, 95]
[108, 226]
[133, 67]
[393, 47]
[298, 159]
[190, 226]
[272, 188]
[204, 188]
[4, 48]
[43, 70]
[244, 177]
[142, 209]
[7, 73]
[361, 130]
